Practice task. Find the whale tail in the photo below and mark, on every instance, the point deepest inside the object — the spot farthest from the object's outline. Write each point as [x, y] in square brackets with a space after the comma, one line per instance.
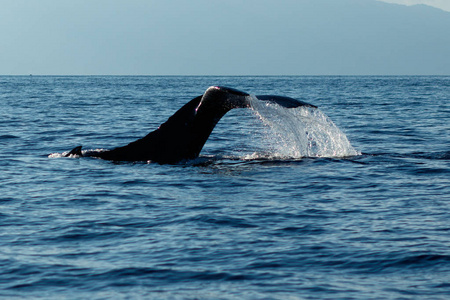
[184, 134]
[284, 101]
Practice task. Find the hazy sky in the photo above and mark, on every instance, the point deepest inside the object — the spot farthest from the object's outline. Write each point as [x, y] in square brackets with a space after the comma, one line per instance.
[216, 37]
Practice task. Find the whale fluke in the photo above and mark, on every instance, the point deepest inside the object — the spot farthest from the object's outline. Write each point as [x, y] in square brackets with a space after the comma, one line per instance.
[284, 101]
[184, 134]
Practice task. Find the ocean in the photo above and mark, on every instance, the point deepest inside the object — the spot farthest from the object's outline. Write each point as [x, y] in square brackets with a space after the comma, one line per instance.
[360, 210]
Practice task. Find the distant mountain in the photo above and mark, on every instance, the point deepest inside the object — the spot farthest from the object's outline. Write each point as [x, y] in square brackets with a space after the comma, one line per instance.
[320, 37]
[356, 37]
[440, 4]
[214, 37]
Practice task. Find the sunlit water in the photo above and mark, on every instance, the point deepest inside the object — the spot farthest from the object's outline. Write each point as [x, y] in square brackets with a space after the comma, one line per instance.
[350, 201]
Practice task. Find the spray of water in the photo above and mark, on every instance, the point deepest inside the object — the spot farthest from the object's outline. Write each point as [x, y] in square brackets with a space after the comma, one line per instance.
[301, 132]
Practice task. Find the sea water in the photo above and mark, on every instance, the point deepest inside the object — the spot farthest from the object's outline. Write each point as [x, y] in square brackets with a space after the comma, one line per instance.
[349, 201]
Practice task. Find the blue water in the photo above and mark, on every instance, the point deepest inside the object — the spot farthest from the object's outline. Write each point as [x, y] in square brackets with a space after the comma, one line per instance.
[240, 222]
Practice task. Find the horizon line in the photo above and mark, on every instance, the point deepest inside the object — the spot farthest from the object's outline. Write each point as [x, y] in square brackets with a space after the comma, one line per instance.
[192, 75]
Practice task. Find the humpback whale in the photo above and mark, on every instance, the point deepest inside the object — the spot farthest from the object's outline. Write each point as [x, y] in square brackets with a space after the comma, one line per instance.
[184, 134]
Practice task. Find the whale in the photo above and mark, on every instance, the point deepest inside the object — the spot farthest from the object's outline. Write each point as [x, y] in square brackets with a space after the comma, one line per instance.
[184, 134]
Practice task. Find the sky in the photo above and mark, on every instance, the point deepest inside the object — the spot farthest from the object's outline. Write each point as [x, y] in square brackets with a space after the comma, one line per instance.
[216, 37]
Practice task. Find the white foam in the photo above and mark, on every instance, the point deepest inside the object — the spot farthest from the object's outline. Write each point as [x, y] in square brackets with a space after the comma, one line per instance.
[83, 152]
[56, 155]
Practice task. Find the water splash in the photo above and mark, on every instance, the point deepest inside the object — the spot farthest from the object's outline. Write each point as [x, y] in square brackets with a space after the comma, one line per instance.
[301, 132]
[64, 154]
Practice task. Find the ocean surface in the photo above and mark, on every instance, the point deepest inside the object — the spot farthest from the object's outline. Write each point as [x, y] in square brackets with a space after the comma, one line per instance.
[351, 201]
